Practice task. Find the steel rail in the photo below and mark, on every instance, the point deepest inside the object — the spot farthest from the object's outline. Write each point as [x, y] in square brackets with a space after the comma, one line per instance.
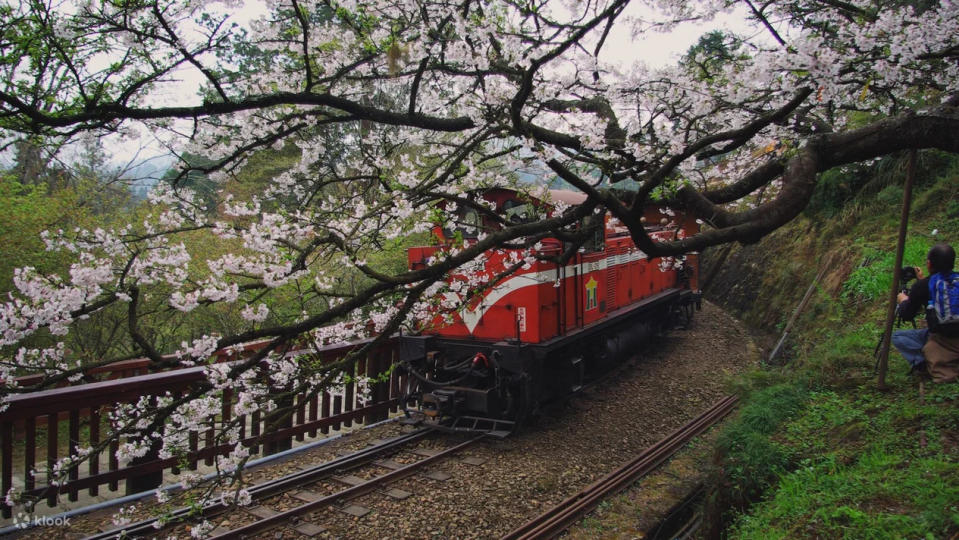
[557, 519]
[272, 487]
[351, 492]
[355, 459]
[681, 514]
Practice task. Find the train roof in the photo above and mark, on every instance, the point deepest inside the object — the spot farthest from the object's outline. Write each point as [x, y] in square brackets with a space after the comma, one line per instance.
[567, 196]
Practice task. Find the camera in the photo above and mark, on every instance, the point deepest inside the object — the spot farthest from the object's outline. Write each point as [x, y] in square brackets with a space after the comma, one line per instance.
[907, 274]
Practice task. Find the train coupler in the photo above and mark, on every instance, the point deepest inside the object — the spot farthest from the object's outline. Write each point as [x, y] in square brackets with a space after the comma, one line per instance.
[441, 402]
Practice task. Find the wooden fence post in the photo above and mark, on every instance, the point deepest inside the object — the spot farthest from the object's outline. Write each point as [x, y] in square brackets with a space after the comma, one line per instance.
[279, 418]
[377, 363]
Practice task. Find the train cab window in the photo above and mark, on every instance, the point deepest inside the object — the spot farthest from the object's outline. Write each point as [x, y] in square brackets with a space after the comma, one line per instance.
[517, 212]
[467, 222]
[596, 226]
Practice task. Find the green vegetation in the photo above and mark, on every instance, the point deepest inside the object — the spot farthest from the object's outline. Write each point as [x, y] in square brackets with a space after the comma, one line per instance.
[44, 197]
[872, 280]
[26, 210]
[860, 470]
[817, 450]
[753, 458]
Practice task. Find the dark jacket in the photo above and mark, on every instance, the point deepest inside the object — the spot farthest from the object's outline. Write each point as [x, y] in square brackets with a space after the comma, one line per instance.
[917, 302]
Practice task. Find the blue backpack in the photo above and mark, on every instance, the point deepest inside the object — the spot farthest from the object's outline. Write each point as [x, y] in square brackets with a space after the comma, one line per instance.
[944, 298]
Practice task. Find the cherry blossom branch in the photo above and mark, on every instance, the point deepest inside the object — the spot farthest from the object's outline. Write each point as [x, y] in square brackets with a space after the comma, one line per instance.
[305, 29]
[936, 128]
[174, 41]
[736, 137]
[762, 18]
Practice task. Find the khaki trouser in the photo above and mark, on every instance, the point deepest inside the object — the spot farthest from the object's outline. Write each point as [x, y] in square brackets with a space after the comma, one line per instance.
[942, 357]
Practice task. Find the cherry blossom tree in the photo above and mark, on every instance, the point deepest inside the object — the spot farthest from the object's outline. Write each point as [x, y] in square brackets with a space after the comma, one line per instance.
[394, 107]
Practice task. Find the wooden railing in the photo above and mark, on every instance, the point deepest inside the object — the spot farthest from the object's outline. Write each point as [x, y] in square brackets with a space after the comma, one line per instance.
[47, 425]
[140, 366]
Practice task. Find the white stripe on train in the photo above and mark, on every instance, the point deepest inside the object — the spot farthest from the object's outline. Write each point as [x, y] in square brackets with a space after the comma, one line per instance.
[472, 317]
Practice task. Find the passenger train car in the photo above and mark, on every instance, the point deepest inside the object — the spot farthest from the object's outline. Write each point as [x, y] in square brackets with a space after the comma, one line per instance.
[540, 332]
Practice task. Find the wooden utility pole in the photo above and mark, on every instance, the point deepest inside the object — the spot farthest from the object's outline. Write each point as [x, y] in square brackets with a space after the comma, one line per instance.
[897, 271]
[795, 315]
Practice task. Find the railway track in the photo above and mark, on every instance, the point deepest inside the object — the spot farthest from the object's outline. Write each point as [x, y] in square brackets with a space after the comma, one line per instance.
[264, 517]
[270, 519]
[315, 488]
[369, 470]
[557, 519]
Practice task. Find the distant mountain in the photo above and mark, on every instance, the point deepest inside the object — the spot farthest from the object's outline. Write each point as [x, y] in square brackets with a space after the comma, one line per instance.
[153, 167]
[143, 174]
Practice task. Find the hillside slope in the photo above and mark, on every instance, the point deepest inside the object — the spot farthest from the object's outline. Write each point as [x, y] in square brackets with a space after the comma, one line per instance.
[817, 450]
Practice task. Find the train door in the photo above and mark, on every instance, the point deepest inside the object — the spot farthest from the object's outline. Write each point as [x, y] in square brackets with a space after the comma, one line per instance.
[575, 291]
[570, 285]
[582, 279]
[565, 286]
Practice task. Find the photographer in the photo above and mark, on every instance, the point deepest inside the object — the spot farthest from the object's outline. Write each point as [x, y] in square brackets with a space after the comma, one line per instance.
[934, 349]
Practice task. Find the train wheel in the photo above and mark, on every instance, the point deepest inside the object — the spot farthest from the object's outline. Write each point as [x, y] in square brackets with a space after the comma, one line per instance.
[522, 407]
[686, 317]
[681, 315]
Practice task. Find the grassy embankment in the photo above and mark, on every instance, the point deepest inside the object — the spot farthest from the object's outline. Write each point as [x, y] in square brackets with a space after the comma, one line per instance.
[817, 450]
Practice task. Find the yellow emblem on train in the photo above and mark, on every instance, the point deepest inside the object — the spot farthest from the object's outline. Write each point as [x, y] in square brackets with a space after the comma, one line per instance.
[591, 294]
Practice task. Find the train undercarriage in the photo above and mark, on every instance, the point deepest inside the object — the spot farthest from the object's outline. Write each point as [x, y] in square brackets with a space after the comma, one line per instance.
[496, 387]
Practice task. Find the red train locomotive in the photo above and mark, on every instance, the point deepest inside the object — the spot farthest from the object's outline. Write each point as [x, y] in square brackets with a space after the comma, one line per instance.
[540, 332]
